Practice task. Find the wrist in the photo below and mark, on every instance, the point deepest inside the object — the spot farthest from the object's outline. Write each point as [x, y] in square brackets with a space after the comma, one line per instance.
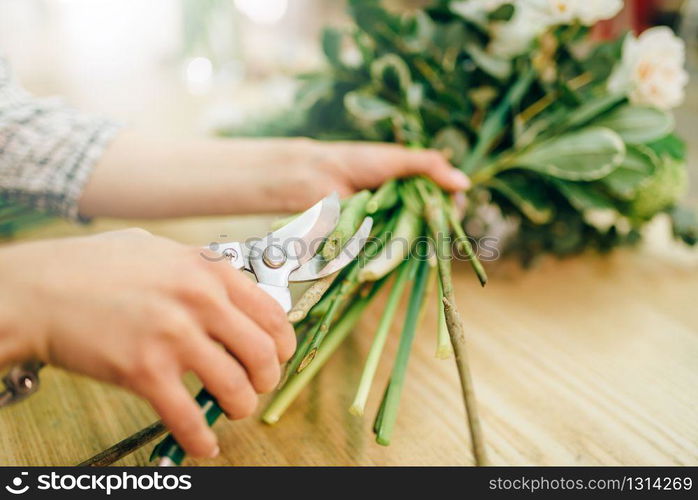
[17, 341]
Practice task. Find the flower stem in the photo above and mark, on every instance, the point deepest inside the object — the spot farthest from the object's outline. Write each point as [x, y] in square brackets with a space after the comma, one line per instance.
[438, 225]
[374, 353]
[311, 297]
[350, 220]
[385, 198]
[297, 381]
[444, 349]
[397, 377]
[319, 333]
[495, 122]
[463, 243]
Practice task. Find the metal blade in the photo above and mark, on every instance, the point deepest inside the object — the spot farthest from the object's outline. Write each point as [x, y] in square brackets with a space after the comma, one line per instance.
[309, 230]
[317, 267]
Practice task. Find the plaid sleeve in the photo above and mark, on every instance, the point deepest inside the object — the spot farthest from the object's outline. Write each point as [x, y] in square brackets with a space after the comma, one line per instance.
[47, 149]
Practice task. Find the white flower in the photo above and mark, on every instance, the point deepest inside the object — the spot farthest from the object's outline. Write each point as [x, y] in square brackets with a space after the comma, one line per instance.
[533, 17]
[592, 11]
[651, 70]
[514, 37]
[587, 12]
[559, 11]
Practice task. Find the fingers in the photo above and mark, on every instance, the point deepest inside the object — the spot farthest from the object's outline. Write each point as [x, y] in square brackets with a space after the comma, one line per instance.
[430, 163]
[225, 379]
[251, 345]
[181, 414]
[263, 310]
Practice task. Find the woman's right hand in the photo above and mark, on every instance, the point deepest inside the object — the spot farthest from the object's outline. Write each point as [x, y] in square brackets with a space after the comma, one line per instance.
[138, 311]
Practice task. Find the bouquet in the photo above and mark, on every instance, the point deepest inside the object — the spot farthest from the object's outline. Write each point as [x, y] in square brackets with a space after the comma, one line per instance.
[567, 140]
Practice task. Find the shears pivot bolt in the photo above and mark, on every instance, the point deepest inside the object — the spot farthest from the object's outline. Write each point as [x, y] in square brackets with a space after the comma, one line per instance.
[274, 256]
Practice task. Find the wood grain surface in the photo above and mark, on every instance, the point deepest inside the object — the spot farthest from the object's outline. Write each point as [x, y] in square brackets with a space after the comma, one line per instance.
[589, 360]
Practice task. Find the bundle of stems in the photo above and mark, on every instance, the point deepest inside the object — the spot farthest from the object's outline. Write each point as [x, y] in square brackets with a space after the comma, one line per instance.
[552, 145]
[411, 242]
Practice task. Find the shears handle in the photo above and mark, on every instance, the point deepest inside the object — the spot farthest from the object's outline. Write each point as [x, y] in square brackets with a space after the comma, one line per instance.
[168, 450]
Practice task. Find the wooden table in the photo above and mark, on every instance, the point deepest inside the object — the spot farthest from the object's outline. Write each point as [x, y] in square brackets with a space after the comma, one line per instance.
[590, 360]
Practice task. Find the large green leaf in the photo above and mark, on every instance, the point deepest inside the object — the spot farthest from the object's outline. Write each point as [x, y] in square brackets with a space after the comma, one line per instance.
[638, 124]
[591, 109]
[638, 165]
[584, 196]
[671, 145]
[526, 194]
[596, 208]
[586, 155]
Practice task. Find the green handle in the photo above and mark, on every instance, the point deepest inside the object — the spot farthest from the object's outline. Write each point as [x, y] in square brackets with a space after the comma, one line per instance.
[169, 448]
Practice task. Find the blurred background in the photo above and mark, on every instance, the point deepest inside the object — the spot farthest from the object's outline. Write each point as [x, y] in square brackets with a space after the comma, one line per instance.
[188, 66]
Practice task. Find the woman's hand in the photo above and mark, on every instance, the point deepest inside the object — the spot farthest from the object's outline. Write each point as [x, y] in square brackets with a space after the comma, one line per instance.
[142, 176]
[348, 167]
[139, 311]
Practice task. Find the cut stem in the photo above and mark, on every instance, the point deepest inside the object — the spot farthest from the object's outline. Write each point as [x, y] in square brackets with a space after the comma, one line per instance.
[349, 221]
[320, 331]
[311, 297]
[296, 382]
[385, 198]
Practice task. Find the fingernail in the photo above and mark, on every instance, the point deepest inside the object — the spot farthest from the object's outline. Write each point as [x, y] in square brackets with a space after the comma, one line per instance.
[215, 453]
[460, 179]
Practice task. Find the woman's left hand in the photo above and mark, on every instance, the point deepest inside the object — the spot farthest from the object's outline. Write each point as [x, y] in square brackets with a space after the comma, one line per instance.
[348, 167]
[147, 177]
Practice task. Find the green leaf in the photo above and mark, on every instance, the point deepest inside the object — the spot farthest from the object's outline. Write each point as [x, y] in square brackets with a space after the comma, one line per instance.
[671, 145]
[584, 196]
[496, 121]
[313, 90]
[638, 125]
[451, 38]
[526, 194]
[391, 72]
[332, 46]
[494, 66]
[587, 155]
[638, 165]
[368, 108]
[421, 30]
[414, 96]
[591, 109]
[503, 12]
[453, 143]
[366, 47]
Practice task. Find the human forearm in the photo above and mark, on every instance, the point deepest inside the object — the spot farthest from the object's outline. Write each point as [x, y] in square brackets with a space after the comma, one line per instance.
[147, 176]
[143, 176]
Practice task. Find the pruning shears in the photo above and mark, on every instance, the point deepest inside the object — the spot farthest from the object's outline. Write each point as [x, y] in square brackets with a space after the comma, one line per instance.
[286, 255]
